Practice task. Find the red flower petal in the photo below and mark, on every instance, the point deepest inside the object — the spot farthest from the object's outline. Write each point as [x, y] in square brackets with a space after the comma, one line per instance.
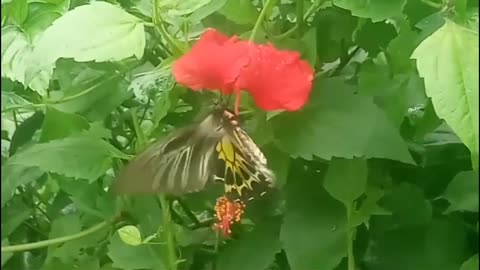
[214, 62]
[277, 79]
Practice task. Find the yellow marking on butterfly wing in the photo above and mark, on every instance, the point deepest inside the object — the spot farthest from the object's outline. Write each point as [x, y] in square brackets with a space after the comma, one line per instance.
[239, 172]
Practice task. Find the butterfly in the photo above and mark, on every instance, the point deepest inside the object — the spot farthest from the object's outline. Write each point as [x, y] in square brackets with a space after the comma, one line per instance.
[215, 149]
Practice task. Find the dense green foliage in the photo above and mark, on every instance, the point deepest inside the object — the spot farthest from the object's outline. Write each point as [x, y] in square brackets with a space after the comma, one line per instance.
[378, 171]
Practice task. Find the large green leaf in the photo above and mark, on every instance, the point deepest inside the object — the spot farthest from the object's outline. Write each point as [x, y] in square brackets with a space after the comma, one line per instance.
[338, 123]
[12, 100]
[314, 230]
[442, 245]
[448, 61]
[58, 125]
[377, 10]
[470, 264]
[346, 179]
[373, 37]
[240, 11]
[416, 211]
[95, 32]
[462, 192]
[71, 251]
[16, 59]
[78, 157]
[16, 11]
[14, 214]
[125, 256]
[14, 176]
[240, 255]
[24, 133]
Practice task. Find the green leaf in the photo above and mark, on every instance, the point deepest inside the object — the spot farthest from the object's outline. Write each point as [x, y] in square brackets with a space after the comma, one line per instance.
[279, 162]
[239, 254]
[95, 100]
[59, 125]
[373, 37]
[462, 192]
[470, 264]
[368, 207]
[78, 157]
[25, 132]
[416, 211]
[95, 32]
[181, 8]
[240, 11]
[428, 123]
[130, 235]
[71, 250]
[377, 10]
[14, 176]
[15, 51]
[442, 245]
[12, 100]
[16, 11]
[16, 59]
[81, 193]
[451, 80]
[314, 229]
[125, 256]
[334, 112]
[152, 84]
[6, 256]
[395, 95]
[41, 15]
[334, 28]
[201, 13]
[346, 179]
[13, 215]
[401, 47]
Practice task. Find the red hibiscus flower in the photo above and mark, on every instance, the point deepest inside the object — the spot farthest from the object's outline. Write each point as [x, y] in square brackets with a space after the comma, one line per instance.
[276, 79]
[214, 62]
[227, 213]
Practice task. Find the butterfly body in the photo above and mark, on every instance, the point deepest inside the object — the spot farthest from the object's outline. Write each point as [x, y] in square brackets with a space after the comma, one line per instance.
[214, 149]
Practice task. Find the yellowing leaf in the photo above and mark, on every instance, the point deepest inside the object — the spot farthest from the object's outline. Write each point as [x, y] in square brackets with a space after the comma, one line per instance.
[130, 235]
[448, 61]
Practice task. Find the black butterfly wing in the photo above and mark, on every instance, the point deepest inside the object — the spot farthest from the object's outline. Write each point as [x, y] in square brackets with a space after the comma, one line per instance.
[241, 165]
[181, 163]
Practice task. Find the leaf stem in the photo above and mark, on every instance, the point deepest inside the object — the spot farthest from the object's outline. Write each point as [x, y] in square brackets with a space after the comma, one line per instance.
[268, 5]
[432, 4]
[59, 240]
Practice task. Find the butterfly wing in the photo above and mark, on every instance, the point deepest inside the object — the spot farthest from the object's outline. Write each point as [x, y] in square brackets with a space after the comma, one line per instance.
[178, 164]
[241, 165]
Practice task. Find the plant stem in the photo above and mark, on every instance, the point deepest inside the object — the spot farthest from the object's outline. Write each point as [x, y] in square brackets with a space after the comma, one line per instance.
[59, 240]
[350, 236]
[299, 9]
[157, 21]
[167, 232]
[138, 129]
[188, 212]
[268, 5]
[166, 220]
[310, 11]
